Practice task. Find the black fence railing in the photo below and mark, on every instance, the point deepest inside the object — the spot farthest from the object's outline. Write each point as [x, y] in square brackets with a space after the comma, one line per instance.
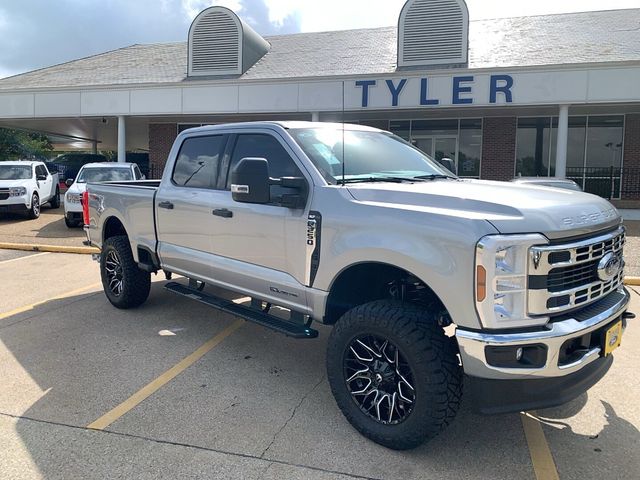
[155, 172]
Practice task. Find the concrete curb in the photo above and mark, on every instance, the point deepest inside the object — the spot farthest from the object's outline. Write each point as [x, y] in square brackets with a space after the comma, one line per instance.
[48, 248]
[635, 281]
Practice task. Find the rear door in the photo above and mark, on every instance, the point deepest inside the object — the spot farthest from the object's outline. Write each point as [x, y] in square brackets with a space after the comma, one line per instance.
[184, 206]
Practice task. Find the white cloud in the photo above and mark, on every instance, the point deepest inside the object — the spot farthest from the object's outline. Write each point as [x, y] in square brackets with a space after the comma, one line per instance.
[319, 15]
[192, 7]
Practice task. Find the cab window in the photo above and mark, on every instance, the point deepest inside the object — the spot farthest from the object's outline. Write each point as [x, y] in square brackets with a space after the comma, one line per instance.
[264, 146]
[40, 170]
[198, 162]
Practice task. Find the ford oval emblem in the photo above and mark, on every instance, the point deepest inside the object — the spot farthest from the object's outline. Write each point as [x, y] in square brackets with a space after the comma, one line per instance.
[609, 266]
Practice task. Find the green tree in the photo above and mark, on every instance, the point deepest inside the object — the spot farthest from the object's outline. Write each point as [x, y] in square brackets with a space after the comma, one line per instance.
[18, 144]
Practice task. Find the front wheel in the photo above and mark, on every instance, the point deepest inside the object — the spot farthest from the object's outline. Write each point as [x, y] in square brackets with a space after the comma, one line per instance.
[34, 211]
[394, 373]
[125, 285]
[70, 223]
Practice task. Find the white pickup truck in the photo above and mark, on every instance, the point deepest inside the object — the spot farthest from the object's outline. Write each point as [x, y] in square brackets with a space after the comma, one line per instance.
[94, 172]
[353, 227]
[25, 186]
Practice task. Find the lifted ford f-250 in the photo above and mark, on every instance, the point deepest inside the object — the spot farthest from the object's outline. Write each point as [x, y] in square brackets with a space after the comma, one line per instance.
[353, 227]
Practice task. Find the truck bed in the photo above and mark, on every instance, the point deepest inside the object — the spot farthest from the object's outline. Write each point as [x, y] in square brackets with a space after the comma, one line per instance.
[132, 203]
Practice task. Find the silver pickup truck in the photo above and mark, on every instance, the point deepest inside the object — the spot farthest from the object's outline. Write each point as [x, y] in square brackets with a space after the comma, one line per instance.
[428, 280]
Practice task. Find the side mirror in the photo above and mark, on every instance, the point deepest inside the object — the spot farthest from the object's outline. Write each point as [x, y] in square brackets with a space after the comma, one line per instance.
[250, 181]
[448, 164]
[41, 177]
[143, 177]
[296, 199]
[69, 182]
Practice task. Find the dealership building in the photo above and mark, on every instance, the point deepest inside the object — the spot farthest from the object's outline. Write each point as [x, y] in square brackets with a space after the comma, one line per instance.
[551, 95]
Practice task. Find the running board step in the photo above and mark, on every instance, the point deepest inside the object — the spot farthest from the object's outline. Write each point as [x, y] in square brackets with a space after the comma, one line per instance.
[291, 329]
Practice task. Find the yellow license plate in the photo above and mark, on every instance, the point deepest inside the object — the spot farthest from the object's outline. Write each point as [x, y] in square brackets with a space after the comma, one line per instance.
[612, 338]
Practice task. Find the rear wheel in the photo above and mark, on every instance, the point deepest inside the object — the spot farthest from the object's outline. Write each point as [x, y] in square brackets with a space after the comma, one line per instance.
[125, 285]
[394, 373]
[34, 211]
[55, 200]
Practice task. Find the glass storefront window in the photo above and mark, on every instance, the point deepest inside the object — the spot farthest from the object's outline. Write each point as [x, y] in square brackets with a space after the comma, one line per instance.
[459, 140]
[402, 128]
[533, 147]
[470, 147]
[434, 127]
[604, 141]
[594, 150]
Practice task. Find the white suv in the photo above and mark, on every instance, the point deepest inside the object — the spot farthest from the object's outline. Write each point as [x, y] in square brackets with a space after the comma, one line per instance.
[26, 186]
[94, 172]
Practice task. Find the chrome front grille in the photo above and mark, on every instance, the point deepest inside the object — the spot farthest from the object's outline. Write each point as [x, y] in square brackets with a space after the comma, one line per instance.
[4, 193]
[564, 277]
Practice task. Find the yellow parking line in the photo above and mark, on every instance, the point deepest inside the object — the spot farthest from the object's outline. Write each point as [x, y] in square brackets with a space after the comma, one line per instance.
[24, 258]
[26, 308]
[543, 464]
[149, 389]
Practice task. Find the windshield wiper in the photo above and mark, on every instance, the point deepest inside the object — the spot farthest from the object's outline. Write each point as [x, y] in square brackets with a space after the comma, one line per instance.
[434, 177]
[375, 179]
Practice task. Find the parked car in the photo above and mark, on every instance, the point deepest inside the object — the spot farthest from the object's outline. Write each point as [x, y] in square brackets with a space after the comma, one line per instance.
[548, 182]
[353, 227]
[94, 172]
[68, 164]
[27, 185]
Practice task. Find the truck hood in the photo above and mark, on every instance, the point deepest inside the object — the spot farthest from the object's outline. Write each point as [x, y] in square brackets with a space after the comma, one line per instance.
[77, 188]
[509, 207]
[14, 183]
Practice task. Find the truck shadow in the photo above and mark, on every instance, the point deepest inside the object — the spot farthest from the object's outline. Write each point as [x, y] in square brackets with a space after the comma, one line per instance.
[611, 450]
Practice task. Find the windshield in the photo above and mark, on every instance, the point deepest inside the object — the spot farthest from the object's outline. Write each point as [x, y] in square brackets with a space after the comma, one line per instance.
[369, 155]
[15, 172]
[105, 174]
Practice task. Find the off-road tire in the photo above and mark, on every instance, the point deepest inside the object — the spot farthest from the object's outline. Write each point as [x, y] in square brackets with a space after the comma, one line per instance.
[431, 355]
[54, 202]
[136, 283]
[34, 211]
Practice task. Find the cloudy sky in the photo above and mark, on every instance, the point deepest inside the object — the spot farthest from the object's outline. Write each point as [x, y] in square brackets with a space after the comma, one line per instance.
[40, 33]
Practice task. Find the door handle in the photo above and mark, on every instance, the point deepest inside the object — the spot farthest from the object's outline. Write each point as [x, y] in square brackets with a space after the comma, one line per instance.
[167, 205]
[223, 212]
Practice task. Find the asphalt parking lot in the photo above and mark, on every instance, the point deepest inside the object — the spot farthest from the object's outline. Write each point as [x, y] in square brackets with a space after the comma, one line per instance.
[177, 390]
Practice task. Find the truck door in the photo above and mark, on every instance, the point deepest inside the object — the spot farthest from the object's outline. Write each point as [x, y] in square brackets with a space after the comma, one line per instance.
[251, 241]
[45, 183]
[184, 207]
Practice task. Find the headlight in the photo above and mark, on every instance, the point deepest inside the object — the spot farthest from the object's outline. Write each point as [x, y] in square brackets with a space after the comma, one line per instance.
[17, 191]
[502, 263]
[74, 197]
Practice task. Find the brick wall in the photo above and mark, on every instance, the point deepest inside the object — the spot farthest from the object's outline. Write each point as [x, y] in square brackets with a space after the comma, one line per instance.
[498, 148]
[161, 137]
[631, 167]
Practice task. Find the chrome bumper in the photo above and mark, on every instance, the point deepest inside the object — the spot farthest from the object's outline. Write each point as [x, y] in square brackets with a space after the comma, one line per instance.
[553, 336]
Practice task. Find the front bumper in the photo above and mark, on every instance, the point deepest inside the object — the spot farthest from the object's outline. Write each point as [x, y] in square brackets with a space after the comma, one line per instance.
[559, 376]
[18, 204]
[490, 396]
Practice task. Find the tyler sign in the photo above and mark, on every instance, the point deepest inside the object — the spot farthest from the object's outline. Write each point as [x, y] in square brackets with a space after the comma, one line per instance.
[431, 91]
